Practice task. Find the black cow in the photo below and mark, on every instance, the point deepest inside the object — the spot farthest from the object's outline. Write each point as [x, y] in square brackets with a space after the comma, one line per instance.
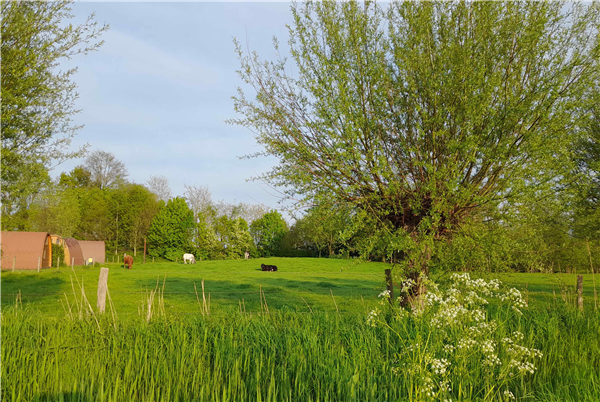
[268, 267]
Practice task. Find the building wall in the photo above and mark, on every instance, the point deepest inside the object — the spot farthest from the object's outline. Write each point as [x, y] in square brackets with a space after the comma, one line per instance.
[25, 250]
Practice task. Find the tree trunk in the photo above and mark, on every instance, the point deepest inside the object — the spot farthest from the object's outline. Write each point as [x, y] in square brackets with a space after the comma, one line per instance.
[417, 271]
[135, 243]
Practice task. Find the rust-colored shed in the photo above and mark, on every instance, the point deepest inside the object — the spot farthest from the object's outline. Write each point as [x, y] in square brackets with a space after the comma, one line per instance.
[93, 249]
[75, 252]
[26, 250]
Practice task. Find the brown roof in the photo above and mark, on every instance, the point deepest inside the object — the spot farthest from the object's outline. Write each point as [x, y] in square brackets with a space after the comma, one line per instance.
[74, 251]
[93, 249]
[25, 250]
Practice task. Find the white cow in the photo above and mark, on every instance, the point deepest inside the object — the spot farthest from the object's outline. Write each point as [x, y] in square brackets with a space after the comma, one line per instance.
[189, 258]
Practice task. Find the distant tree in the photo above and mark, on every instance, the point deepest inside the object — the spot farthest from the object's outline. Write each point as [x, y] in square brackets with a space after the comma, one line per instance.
[143, 206]
[234, 236]
[159, 185]
[57, 211]
[231, 210]
[268, 233]
[420, 113]
[79, 177]
[252, 212]
[206, 242]
[198, 198]
[321, 227]
[38, 98]
[96, 220]
[106, 170]
[171, 230]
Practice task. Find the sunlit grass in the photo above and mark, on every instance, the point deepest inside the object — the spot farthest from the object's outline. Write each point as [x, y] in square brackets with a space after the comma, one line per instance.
[275, 357]
[289, 345]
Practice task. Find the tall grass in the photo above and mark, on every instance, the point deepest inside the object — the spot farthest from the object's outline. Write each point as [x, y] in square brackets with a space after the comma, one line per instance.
[274, 357]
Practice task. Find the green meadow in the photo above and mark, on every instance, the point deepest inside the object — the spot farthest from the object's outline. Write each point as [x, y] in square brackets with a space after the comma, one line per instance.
[227, 283]
[298, 284]
[299, 334]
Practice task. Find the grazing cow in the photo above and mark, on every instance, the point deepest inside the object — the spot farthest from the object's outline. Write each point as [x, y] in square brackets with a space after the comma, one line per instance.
[128, 261]
[189, 258]
[268, 267]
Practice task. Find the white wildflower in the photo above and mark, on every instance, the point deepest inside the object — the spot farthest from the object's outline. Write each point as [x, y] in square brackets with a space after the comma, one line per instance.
[439, 366]
[385, 294]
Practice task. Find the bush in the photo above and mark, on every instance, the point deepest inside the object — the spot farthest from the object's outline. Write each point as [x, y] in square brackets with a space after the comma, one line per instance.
[58, 254]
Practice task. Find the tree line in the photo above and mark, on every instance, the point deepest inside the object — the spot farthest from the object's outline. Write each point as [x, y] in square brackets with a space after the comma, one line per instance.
[95, 201]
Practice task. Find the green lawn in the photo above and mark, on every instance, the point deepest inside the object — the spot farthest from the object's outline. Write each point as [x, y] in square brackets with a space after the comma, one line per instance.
[355, 285]
[227, 282]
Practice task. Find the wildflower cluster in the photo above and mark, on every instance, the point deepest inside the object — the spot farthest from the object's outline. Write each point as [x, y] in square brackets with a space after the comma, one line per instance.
[461, 337]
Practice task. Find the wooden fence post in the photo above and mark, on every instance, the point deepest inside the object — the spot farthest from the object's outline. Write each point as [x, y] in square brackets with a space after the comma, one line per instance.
[144, 260]
[390, 285]
[580, 292]
[14, 262]
[39, 264]
[72, 262]
[102, 288]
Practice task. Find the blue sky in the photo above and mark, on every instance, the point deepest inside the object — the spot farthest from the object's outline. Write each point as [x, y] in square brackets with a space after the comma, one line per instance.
[157, 93]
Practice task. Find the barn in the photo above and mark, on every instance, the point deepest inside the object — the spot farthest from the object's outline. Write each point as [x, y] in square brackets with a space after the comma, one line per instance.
[25, 250]
[94, 250]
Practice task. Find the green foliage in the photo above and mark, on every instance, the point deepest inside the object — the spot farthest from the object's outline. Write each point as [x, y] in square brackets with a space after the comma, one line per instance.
[421, 113]
[587, 157]
[58, 254]
[171, 230]
[268, 233]
[233, 236]
[206, 242]
[321, 227]
[96, 220]
[57, 211]
[79, 177]
[38, 98]
[142, 207]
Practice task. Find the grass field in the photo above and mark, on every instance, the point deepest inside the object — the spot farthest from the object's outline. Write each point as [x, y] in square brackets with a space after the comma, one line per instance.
[355, 285]
[227, 282]
[294, 352]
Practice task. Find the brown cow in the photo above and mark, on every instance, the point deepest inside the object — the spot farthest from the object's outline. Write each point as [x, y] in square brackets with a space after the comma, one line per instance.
[128, 261]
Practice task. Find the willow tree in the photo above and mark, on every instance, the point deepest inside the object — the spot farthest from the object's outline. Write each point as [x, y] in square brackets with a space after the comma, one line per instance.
[418, 114]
